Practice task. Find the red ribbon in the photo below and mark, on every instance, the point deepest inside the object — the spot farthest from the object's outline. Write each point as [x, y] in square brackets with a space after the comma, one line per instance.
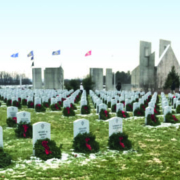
[106, 113]
[143, 107]
[123, 113]
[47, 150]
[25, 126]
[87, 145]
[153, 118]
[68, 110]
[122, 144]
[15, 119]
[138, 113]
[174, 117]
[155, 111]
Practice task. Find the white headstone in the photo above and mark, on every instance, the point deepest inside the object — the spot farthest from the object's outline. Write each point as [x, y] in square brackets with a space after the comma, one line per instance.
[37, 101]
[81, 126]
[11, 111]
[167, 109]
[115, 125]
[66, 103]
[41, 130]
[119, 106]
[23, 116]
[149, 110]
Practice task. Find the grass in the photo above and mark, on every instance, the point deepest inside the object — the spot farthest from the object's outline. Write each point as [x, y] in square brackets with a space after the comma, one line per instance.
[155, 153]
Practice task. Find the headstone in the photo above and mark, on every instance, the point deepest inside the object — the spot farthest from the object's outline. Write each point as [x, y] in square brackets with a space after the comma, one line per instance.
[41, 130]
[119, 106]
[66, 103]
[167, 109]
[115, 125]
[149, 110]
[23, 116]
[37, 101]
[81, 126]
[1, 137]
[135, 106]
[11, 111]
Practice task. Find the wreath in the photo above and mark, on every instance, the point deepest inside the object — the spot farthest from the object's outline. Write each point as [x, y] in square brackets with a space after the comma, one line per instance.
[73, 106]
[139, 112]
[24, 102]
[86, 109]
[5, 100]
[178, 109]
[77, 99]
[170, 118]
[30, 104]
[104, 114]
[119, 141]
[149, 98]
[122, 114]
[19, 100]
[142, 107]
[0, 103]
[47, 149]
[40, 108]
[60, 103]
[9, 102]
[153, 120]
[85, 143]
[11, 121]
[17, 104]
[129, 107]
[45, 104]
[156, 110]
[113, 108]
[55, 107]
[23, 130]
[5, 159]
[67, 111]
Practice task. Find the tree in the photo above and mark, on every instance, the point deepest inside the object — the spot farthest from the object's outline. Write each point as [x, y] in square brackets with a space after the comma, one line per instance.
[72, 84]
[123, 77]
[87, 83]
[172, 77]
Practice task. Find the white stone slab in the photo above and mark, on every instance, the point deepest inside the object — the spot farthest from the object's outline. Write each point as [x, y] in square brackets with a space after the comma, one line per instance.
[24, 117]
[115, 125]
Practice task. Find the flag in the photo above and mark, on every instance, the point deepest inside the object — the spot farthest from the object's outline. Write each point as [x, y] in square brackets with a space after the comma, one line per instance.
[56, 52]
[15, 55]
[30, 54]
[32, 58]
[32, 64]
[88, 53]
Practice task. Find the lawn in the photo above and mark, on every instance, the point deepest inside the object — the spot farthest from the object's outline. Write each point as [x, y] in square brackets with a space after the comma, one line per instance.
[155, 152]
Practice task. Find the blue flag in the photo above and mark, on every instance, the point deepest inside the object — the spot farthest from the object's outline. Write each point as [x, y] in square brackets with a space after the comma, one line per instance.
[56, 52]
[15, 55]
[30, 54]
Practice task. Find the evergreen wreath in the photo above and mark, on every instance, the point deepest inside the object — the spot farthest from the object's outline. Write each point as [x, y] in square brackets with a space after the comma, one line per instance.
[104, 114]
[149, 98]
[119, 141]
[139, 112]
[46, 104]
[30, 104]
[122, 114]
[142, 107]
[77, 99]
[11, 122]
[178, 109]
[153, 120]
[67, 111]
[9, 102]
[40, 108]
[55, 107]
[113, 108]
[129, 107]
[47, 149]
[16, 104]
[0, 104]
[19, 100]
[85, 143]
[60, 103]
[5, 100]
[24, 102]
[85, 109]
[157, 111]
[23, 130]
[73, 106]
[170, 118]
[5, 159]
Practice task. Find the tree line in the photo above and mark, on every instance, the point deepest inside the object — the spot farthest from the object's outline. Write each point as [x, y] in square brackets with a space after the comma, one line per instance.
[13, 78]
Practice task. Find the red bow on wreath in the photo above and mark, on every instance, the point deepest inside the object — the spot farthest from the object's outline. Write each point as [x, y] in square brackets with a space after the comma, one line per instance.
[68, 110]
[15, 119]
[87, 145]
[155, 111]
[123, 113]
[122, 144]
[106, 113]
[153, 117]
[25, 126]
[174, 117]
[47, 150]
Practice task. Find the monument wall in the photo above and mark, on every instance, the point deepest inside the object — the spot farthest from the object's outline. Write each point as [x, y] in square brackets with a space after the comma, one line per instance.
[37, 78]
[97, 77]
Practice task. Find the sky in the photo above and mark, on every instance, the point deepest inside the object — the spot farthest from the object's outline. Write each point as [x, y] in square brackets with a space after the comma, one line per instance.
[111, 29]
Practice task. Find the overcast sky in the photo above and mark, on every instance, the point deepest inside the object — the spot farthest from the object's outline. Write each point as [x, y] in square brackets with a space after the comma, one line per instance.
[111, 29]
